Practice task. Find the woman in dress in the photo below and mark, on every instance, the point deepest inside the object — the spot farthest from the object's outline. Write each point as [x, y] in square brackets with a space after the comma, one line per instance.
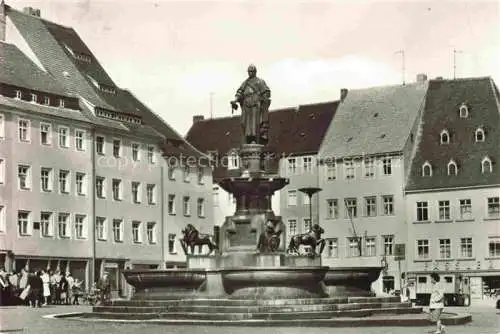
[46, 287]
[436, 304]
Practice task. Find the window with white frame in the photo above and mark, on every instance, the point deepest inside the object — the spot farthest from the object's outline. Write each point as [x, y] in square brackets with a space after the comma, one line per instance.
[494, 247]
[117, 148]
[185, 173]
[307, 164]
[81, 185]
[34, 98]
[46, 179]
[136, 192]
[353, 247]
[80, 140]
[46, 224]
[24, 177]
[46, 100]
[387, 166]
[370, 206]
[99, 144]
[305, 199]
[369, 167]
[64, 181]
[479, 134]
[388, 245]
[100, 187]
[61, 103]
[117, 230]
[151, 193]
[2, 126]
[45, 134]
[19, 94]
[423, 249]
[2, 171]
[80, 227]
[370, 246]
[332, 208]
[200, 174]
[331, 170]
[292, 166]
[445, 248]
[292, 227]
[151, 232]
[24, 130]
[100, 228]
[426, 169]
[171, 173]
[151, 154]
[292, 197]
[63, 225]
[135, 152]
[486, 166]
[452, 168]
[465, 208]
[444, 210]
[465, 248]
[3, 225]
[494, 207]
[332, 249]
[445, 137]
[63, 136]
[233, 161]
[171, 244]
[171, 204]
[200, 207]
[116, 187]
[351, 208]
[136, 232]
[307, 225]
[186, 208]
[23, 223]
[388, 205]
[349, 170]
[464, 111]
[422, 211]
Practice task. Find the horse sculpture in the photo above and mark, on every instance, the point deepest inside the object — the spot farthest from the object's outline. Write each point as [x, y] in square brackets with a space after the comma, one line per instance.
[192, 237]
[311, 238]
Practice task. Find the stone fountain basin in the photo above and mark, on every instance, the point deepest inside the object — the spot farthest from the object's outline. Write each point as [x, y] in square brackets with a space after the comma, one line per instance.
[351, 281]
[175, 278]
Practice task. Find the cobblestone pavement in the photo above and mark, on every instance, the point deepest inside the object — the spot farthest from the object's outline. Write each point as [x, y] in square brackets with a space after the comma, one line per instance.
[486, 320]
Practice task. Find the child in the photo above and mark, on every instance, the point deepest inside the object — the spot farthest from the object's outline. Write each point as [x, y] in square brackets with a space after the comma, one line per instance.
[436, 304]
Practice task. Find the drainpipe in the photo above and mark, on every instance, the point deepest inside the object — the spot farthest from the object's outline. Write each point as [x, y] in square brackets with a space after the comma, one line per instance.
[162, 218]
[92, 182]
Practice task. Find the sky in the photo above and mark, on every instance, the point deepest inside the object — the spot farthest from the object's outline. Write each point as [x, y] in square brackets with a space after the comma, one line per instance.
[186, 58]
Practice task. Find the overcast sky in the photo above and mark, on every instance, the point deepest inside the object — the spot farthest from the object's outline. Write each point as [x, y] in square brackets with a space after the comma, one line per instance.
[173, 54]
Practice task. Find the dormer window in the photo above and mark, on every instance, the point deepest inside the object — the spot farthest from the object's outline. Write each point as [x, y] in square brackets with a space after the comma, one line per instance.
[452, 168]
[445, 137]
[34, 97]
[46, 100]
[479, 135]
[464, 111]
[233, 161]
[486, 166]
[61, 103]
[19, 94]
[427, 169]
[107, 89]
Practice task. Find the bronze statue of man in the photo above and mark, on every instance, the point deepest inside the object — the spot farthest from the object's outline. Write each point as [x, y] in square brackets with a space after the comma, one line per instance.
[254, 97]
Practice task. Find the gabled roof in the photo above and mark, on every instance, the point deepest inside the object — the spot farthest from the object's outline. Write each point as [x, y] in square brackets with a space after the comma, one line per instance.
[292, 131]
[442, 105]
[373, 120]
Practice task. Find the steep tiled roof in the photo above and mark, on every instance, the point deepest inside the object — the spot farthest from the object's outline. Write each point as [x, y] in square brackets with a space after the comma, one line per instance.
[292, 131]
[442, 105]
[373, 120]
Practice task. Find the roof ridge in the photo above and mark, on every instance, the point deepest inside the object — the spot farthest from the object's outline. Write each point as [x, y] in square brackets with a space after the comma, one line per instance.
[484, 77]
[37, 17]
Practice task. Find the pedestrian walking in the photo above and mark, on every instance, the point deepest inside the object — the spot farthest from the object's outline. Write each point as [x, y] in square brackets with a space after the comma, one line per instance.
[436, 304]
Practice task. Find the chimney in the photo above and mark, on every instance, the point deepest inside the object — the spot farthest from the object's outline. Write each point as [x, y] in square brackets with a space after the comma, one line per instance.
[31, 11]
[343, 94]
[2, 21]
[421, 78]
[198, 118]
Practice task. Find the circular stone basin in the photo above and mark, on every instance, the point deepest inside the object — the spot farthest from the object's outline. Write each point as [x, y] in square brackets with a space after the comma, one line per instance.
[181, 278]
[351, 280]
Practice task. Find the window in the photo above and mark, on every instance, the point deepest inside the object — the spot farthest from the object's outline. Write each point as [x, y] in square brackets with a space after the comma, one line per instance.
[332, 249]
[388, 205]
[185, 173]
[479, 134]
[370, 246]
[200, 207]
[151, 154]
[292, 227]
[426, 169]
[62, 225]
[200, 175]
[151, 193]
[464, 111]
[136, 192]
[80, 184]
[171, 204]
[370, 206]
[45, 134]
[444, 210]
[349, 169]
[79, 226]
[116, 148]
[19, 94]
[2, 126]
[465, 209]
[292, 197]
[61, 103]
[486, 166]
[353, 247]
[63, 136]
[387, 166]
[351, 205]
[46, 179]
[80, 140]
[171, 173]
[305, 199]
[388, 245]
[2, 219]
[46, 100]
[34, 97]
[307, 225]
[117, 189]
[151, 232]
[369, 167]
[494, 247]
[100, 187]
[444, 248]
[171, 244]
[117, 230]
[292, 166]
[332, 208]
[465, 247]
[64, 181]
[307, 164]
[331, 170]
[24, 177]
[136, 232]
[135, 152]
[23, 223]
[24, 130]
[493, 207]
[233, 161]
[99, 145]
[100, 227]
[186, 210]
[452, 168]
[46, 224]
[422, 211]
[445, 137]
[423, 249]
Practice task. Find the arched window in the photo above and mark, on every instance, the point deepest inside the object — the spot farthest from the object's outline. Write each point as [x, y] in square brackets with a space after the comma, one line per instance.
[445, 137]
[427, 169]
[464, 111]
[452, 168]
[479, 135]
[486, 166]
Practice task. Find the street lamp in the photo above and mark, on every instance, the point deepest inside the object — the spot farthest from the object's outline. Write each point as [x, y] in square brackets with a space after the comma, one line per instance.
[309, 191]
